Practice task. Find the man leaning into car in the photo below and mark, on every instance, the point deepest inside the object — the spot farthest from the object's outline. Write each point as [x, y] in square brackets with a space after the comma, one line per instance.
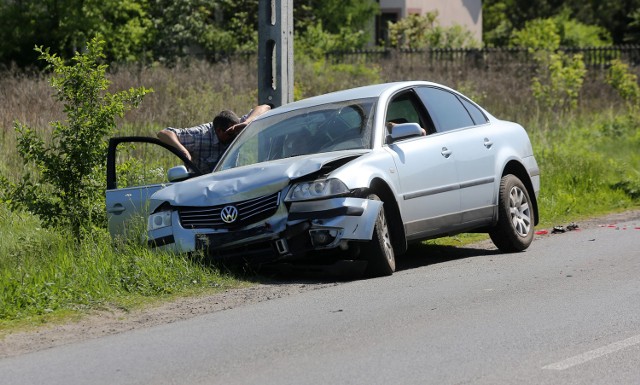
[205, 143]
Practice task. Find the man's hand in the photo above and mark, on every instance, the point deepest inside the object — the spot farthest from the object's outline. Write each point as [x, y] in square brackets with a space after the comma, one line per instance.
[236, 128]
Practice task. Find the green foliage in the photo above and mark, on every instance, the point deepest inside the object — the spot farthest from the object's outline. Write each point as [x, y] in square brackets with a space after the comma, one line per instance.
[624, 82]
[560, 30]
[632, 35]
[501, 17]
[62, 183]
[496, 26]
[66, 25]
[538, 34]
[576, 34]
[559, 80]
[588, 166]
[315, 41]
[418, 32]
[125, 26]
[181, 26]
[559, 76]
[314, 77]
[162, 30]
[334, 15]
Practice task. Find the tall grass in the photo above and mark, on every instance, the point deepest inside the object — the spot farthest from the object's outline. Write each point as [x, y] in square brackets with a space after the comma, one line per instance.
[588, 169]
[44, 271]
[589, 160]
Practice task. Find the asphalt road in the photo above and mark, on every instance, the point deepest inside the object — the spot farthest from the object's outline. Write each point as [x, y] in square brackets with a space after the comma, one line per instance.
[566, 311]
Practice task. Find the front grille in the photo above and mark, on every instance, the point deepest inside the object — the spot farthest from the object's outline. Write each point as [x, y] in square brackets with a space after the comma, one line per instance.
[249, 211]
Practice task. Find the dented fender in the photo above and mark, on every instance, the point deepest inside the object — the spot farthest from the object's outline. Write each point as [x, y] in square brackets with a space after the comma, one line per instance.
[355, 216]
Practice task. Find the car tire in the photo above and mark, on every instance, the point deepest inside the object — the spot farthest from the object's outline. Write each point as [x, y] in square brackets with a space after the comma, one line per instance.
[379, 250]
[514, 230]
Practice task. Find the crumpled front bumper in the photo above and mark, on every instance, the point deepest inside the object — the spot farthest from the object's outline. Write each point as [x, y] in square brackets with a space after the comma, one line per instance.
[295, 228]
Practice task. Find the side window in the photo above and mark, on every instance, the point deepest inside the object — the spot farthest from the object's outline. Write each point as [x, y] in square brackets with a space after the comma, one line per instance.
[401, 110]
[477, 115]
[141, 164]
[445, 109]
[407, 108]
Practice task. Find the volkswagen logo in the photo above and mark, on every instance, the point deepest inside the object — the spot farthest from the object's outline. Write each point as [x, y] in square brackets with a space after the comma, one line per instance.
[229, 214]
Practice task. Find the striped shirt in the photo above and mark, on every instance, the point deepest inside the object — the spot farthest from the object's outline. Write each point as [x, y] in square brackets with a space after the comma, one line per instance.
[203, 144]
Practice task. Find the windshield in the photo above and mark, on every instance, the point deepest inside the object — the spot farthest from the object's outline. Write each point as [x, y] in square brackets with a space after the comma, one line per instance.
[328, 127]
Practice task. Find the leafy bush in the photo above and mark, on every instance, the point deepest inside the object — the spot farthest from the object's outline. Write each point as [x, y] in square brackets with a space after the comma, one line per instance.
[559, 80]
[559, 76]
[624, 82]
[538, 34]
[315, 41]
[62, 183]
[559, 31]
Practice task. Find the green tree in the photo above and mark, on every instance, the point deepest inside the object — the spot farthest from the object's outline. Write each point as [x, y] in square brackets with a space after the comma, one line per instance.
[557, 31]
[67, 25]
[624, 82]
[335, 15]
[62, 181]
[161, 29]
[559, 76]
[183, 27]
[496, 26]
[538, 34]
[126, 27]
[559, 80]
[502, 16]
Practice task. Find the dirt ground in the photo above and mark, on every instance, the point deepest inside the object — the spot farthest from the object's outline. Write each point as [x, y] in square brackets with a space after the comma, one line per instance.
[103, 323]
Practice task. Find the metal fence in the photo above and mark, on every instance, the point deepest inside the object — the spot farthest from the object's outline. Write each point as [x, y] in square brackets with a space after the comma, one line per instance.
[594, 57]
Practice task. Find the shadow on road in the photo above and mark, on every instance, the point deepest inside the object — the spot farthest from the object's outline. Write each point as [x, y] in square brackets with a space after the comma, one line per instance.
[418, 255]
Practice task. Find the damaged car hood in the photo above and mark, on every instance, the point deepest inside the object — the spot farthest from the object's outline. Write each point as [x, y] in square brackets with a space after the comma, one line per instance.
[248, 182]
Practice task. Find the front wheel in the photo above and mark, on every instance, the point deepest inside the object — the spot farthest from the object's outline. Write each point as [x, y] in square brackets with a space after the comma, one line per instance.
[379, 251]
[514, 230]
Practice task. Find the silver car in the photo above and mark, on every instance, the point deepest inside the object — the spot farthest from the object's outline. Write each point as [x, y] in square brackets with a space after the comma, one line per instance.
[357, 174]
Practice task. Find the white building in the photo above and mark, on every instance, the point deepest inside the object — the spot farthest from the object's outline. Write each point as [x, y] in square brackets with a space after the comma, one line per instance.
[467, 13]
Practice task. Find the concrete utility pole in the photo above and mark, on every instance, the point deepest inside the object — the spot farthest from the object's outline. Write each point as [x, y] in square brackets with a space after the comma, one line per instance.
[275, 52]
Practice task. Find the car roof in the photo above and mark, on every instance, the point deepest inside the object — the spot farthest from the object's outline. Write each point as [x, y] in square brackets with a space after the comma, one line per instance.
[370, 91]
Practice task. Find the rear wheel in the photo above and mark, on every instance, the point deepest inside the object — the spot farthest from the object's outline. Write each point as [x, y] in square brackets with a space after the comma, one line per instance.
[379, 250]
[514, 230]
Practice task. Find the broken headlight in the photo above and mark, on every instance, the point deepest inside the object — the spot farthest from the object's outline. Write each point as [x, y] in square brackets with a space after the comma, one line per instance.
[159, 220]
[317, 189]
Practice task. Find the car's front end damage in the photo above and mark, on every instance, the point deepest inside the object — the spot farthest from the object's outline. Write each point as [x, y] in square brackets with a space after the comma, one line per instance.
[285, 210]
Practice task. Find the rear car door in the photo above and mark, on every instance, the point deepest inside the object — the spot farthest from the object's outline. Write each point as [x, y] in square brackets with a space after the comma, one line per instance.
[473, 143]
[137, 167]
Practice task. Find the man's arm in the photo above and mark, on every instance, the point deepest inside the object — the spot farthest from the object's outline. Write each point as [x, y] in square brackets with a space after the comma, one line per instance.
[255, 112]
[170, 138]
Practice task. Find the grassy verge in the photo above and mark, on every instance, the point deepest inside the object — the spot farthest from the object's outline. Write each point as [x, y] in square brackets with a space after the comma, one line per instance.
[44, 272]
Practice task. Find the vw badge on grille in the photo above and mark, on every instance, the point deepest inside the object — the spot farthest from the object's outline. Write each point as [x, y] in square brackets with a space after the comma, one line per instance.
[229, 214]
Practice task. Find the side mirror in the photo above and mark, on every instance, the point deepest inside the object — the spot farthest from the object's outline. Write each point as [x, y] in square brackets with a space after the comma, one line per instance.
[403, 131]
[178, 173]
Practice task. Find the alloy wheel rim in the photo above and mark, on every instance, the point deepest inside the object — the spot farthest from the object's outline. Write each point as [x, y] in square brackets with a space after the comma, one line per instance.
[520, 211]
[386, 238]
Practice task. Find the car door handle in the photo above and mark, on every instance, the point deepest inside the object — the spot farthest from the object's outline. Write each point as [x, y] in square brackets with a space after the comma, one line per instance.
[446, 152]
[488, 143]
[116, 209]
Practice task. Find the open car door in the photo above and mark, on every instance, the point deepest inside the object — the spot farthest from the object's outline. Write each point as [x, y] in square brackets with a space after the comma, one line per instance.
[137, 167]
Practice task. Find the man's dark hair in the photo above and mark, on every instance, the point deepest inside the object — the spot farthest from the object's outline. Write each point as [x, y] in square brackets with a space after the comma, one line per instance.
[225, 119]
